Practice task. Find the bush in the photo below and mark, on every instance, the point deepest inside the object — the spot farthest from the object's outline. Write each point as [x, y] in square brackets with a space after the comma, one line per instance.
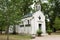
[39, 32]
[49, 31]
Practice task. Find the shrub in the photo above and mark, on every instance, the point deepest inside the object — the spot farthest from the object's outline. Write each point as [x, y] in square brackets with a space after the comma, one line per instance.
[49, 31]
[39, 32]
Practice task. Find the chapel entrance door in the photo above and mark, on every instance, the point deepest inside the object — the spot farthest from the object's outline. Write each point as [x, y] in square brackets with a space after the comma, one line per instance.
[39, 26]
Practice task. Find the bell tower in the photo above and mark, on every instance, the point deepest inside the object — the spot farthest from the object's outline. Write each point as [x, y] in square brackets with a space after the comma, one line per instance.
[37, 5]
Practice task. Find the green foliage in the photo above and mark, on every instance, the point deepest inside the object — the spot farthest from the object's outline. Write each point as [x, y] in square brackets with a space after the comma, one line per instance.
[49, 31]
[39, 32]
[52, 9]
[57, 23]
[11, 11]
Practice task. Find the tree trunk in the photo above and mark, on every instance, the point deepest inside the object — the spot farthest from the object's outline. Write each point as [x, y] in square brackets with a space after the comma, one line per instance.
[1, 30]
[54, 30]
[7, 32]
[14, 29]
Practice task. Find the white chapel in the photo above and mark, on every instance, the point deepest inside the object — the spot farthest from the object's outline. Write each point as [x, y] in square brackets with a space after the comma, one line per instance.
[32, 22]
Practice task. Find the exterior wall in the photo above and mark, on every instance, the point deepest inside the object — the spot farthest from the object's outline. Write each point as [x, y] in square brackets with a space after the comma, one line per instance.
[33, 26]
[37, 22]
[23, 29]
[26, 28]
[34, 22]
[19, 29]
[11, 29]
[43, 28]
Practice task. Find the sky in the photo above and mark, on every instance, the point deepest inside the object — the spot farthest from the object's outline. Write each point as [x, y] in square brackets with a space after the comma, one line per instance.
[44, 1]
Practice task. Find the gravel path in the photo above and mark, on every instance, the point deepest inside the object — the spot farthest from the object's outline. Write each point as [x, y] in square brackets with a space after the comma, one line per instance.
[51, 37]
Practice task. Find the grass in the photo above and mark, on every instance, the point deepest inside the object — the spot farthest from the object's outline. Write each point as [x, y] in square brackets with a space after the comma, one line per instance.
[56, 33]
[15, 37]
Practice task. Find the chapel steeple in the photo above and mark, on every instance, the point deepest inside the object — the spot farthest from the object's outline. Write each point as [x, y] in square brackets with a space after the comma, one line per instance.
[37, 5]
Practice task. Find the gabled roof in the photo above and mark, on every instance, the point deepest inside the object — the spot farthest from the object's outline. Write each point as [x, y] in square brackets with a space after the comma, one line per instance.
[28, 15]
[31, 14]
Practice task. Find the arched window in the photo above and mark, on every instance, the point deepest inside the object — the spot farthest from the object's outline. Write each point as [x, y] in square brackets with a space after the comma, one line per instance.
[39, 17]
[28, 21]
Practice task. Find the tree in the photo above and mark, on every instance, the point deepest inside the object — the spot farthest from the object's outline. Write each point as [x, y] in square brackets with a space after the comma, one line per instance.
[12, 12]
[57, 24]
[24, 6]
[51, 9]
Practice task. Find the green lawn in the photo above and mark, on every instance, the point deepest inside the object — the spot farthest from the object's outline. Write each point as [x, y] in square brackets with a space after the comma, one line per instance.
[15, 37]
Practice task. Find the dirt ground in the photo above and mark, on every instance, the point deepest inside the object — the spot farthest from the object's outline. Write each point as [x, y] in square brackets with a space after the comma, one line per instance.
[48, 37]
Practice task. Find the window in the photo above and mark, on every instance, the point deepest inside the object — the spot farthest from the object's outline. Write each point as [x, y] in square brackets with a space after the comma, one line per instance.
[39, 17]
[38, 8]
[21, 22]
[21, 25]
[28, 21]
[28, 25]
